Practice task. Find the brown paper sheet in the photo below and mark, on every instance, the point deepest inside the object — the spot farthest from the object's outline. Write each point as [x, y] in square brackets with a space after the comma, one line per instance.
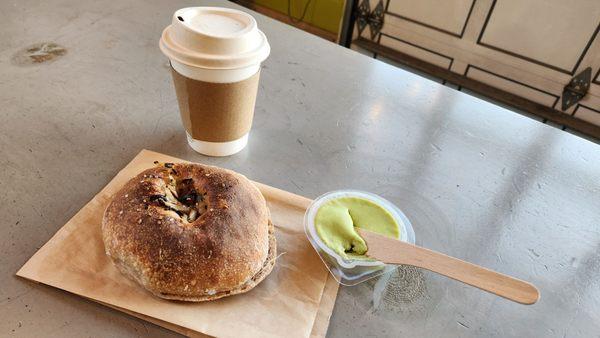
[319, 328]
[216, 112]
[295, 300]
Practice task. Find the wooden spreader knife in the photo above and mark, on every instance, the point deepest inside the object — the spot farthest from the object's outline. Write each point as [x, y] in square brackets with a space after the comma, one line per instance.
[393, 251]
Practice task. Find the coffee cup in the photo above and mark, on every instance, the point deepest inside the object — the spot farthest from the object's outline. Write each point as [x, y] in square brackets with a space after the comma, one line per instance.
[215, 56]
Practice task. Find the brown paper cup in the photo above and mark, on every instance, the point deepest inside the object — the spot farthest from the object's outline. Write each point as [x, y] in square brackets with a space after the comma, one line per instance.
[215, 56]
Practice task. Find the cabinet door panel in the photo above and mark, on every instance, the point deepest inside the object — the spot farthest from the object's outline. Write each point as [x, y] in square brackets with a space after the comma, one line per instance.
[418, 52]
[551, 32]
[449, 16]
[530, 49]
[587, 114]
[512, 86]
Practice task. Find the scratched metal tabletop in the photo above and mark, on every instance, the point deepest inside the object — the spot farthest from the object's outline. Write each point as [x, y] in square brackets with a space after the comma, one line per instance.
[84, 87]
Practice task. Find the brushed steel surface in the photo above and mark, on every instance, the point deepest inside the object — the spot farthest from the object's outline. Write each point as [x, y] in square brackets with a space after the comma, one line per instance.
[477, 181]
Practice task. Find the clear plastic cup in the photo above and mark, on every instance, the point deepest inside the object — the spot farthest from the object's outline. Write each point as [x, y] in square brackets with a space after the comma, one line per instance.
[352, 271]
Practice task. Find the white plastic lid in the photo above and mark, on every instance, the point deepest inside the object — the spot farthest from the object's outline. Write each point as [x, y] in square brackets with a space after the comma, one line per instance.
[214, 38]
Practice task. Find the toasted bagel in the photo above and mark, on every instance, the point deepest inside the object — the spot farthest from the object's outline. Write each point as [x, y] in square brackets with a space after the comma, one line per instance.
[190, 232]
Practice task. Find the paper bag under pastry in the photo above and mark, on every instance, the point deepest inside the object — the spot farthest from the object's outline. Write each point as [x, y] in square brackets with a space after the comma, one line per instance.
[286, 303]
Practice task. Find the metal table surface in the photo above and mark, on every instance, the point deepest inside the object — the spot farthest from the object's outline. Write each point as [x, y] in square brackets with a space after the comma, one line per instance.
[478, 182]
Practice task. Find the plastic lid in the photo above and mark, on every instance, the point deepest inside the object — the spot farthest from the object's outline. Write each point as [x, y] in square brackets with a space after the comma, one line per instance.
[215, 38]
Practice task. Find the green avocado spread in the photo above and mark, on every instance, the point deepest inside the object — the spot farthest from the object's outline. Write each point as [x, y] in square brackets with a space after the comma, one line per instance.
[336, 219]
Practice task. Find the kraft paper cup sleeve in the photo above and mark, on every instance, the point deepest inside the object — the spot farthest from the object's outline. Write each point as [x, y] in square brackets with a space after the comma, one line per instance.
[216, 112]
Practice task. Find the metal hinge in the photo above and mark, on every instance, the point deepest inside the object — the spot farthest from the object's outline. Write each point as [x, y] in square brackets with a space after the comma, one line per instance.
[576, 89]
[364, 17]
